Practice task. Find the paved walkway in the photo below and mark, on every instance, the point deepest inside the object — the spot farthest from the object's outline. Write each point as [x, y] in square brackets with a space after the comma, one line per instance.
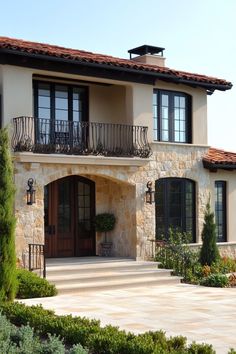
[201, 314]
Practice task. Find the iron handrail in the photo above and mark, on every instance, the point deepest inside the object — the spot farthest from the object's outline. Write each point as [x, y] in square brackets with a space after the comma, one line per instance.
[42, 135]
[37, 258]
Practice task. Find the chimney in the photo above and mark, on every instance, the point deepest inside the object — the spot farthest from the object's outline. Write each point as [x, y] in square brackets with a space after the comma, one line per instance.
[148, 54]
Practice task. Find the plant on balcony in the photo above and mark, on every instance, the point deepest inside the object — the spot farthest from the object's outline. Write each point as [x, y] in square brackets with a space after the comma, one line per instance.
[8, 282]
[105, 222]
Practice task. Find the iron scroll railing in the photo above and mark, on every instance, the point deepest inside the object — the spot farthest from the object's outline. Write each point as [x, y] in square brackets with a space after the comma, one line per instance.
[41, 135]
[37, 259]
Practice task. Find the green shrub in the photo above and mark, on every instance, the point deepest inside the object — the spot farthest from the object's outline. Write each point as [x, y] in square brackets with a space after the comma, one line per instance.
[195, 348]
[98, 340]
[224, 265]
[23, 340]
[215, 280]
[8, 281]
[78, 349]
[209, 252]
[176, 254]
[30, 285]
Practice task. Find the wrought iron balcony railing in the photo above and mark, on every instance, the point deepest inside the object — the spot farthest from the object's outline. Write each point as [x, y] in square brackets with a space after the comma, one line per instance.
[41, 135]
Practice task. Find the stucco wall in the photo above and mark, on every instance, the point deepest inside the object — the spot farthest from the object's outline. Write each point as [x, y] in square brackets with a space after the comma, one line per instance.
[121, 102]
[107, 104]
[17, 90]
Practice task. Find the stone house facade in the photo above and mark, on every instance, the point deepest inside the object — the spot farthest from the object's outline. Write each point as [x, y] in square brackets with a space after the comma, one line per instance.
[92, 130]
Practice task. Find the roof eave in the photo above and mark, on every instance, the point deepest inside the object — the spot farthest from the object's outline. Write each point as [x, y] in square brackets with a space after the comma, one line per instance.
[213, 167]
[153, 76]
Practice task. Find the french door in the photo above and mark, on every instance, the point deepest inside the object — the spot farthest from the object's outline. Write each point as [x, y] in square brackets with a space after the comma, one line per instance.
[60, 110]
[69, 205]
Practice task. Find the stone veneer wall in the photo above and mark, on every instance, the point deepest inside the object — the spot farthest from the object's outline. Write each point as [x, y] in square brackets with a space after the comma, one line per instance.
[226, 249]
[120, 189]
[113, 197]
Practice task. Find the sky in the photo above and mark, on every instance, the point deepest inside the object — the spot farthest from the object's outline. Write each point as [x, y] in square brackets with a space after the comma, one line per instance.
[199, 36]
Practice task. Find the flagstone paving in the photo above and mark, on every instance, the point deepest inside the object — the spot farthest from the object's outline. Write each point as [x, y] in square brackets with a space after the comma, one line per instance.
[201, 314]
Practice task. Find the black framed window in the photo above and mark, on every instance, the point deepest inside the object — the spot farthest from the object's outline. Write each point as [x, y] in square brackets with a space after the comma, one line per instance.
[220, 211]
[60, 102]
[175, 206]
[172, 116]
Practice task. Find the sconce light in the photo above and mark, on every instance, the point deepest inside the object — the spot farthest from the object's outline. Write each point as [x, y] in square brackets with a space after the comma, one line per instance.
[30, 193]
[150, 194]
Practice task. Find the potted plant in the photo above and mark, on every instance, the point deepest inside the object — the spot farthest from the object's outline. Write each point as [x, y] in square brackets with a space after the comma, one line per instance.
[105, 222]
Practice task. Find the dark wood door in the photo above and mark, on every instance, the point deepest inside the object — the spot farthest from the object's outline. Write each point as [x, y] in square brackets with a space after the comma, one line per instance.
[69, 213]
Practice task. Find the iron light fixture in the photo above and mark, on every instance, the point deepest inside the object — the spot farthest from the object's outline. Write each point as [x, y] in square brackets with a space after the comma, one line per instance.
[30, 193]
[150, 194]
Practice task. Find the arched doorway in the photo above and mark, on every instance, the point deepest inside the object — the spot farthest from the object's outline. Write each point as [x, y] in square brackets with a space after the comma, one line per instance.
[69, 205]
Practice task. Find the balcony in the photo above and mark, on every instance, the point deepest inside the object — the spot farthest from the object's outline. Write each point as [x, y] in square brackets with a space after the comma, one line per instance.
[39, 135]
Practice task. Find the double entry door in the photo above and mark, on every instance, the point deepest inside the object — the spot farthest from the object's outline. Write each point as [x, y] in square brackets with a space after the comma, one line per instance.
[69, 205]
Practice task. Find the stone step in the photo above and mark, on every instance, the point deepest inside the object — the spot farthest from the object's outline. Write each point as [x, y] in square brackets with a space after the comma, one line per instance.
[98, 267]
[108, 275]
[76, 275]
[116, 284]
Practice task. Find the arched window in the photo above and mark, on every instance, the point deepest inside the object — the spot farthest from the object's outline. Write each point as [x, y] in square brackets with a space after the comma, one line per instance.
[175, 206]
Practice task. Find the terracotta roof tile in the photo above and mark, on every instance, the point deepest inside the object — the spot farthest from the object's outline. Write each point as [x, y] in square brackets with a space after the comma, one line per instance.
[220, 157]
[89, 57]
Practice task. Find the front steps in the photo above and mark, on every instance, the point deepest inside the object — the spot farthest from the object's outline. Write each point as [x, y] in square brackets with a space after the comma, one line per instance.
[77, 275]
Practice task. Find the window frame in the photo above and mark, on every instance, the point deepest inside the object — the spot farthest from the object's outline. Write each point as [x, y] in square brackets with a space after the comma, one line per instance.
[52, 85]
[223, 185]
[166, 217]
[171, 120]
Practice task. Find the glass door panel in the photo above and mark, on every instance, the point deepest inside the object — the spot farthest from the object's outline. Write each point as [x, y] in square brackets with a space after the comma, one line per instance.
[85, 217]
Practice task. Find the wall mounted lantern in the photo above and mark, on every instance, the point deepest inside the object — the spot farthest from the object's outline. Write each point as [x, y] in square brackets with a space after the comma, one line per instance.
[30, 193]
[150, 194]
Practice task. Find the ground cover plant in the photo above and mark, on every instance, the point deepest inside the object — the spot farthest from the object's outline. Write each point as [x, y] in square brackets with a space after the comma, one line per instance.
[98, 340]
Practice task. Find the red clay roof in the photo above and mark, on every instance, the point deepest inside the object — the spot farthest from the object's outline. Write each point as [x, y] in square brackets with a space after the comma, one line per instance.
[28, 47]
[217, 157]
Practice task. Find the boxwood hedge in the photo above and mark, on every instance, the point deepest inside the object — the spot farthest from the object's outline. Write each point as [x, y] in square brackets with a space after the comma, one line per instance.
[99, 340]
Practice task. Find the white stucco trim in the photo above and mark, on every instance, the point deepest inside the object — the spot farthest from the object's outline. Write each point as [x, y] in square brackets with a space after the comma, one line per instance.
[79, 160]
[179, 144]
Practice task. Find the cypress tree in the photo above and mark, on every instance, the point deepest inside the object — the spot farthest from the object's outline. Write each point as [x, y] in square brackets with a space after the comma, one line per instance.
[7, 222]
[209, 251]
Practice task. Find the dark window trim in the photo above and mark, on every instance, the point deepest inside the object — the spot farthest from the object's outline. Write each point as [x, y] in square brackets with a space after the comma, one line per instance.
[223, 184]
[165, 181]
[188, 125]
[52, 84]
